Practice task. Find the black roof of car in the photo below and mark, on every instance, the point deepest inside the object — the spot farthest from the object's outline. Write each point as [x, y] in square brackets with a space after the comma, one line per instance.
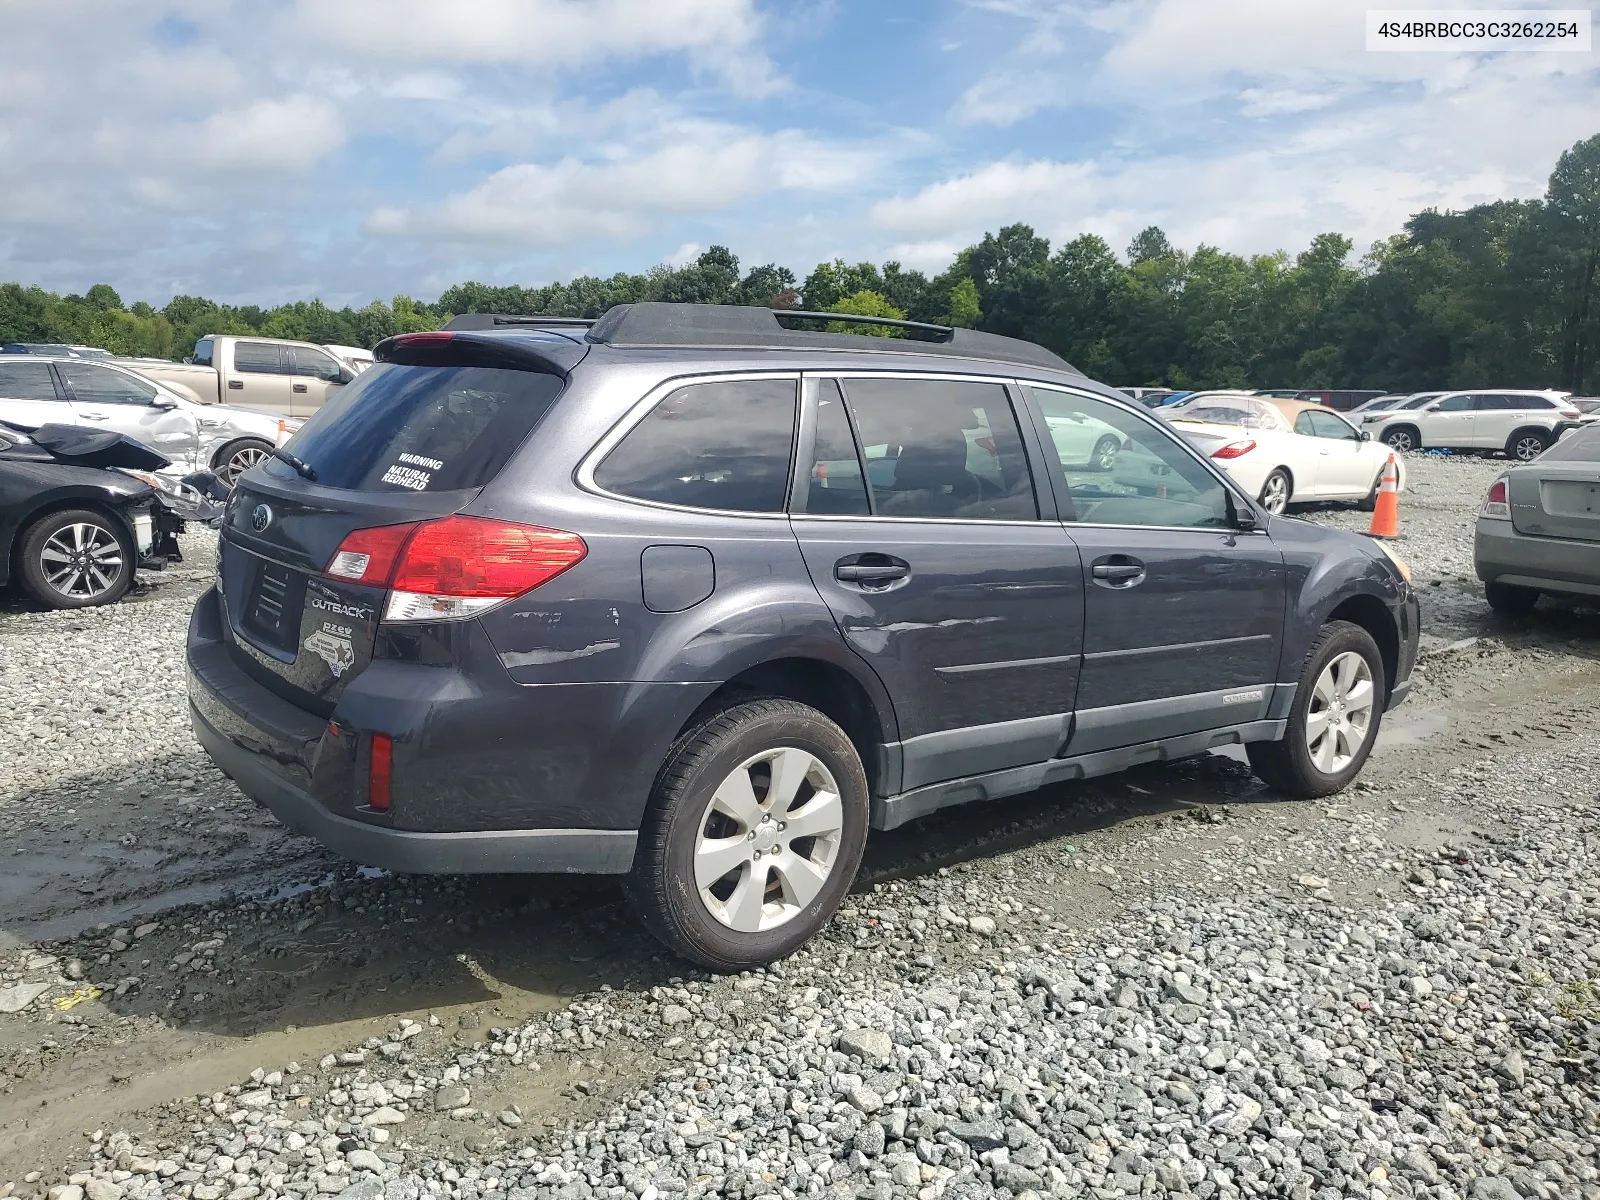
[659, 326]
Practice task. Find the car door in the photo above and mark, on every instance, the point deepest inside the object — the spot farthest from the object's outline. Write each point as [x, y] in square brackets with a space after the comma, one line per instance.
[917, 516]
[1344, 466]
[1183, 610]
[317, 374]
[1498, 415]
[1449, 421]
[29, 395]
[261, 377]
[118, 400]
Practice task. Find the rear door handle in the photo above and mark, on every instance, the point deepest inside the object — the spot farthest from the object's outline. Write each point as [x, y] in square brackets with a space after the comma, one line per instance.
[299, 387]
[1118, 571]
[870, 570]
[236, 384]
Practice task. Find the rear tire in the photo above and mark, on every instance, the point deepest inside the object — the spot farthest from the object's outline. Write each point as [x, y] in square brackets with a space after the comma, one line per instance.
[234, 459]
[725, 797]
[1329, 703]
[1509, 599]
[1525, 445]
[1104, 456]
[76, 558]
[1276, 491]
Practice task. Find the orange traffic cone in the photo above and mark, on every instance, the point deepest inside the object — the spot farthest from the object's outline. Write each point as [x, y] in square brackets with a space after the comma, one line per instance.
[283, 431]
[1386, 513]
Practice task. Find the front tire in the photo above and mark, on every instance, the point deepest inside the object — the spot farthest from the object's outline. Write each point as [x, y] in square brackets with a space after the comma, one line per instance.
[1275, 492]
[1338, 707]
[1401, 441]
[1510, 600]
[753, 835]
[76, 558]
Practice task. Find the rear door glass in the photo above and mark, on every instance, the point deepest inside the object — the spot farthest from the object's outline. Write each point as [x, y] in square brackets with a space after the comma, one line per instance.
[422, 429]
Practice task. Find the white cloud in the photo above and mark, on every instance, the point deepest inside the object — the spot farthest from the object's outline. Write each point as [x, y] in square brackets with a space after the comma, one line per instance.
[1270, 102]
[549, 33]
[267, 137]
[697, 168]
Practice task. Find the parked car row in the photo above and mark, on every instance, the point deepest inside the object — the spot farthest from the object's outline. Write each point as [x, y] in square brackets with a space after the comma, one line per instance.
[1520, 424]
[40, 390]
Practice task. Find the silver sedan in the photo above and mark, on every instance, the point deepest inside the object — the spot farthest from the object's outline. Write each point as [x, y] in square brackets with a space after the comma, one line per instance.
[1539, 527]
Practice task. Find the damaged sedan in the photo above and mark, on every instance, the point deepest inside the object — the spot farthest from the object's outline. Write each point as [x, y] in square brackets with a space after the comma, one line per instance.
[81, 510]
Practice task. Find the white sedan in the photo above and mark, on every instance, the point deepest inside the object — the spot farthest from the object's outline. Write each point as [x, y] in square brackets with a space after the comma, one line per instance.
[41, 390]
[1286, 451]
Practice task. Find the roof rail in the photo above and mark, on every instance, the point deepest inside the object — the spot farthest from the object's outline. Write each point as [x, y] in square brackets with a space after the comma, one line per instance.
[500, 321]
[943, 332]
[659, 326]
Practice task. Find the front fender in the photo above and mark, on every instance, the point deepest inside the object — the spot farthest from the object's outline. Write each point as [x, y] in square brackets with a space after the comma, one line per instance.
[1325, 568]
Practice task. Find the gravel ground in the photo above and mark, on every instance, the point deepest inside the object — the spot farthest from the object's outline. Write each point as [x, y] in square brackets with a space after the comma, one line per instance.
[1168, 982]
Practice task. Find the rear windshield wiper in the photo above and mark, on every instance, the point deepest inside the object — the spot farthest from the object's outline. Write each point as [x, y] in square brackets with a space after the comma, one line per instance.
[301, 467]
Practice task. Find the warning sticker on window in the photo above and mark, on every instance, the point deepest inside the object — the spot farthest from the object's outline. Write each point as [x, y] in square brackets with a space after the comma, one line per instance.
[407, 477]
[416, 460]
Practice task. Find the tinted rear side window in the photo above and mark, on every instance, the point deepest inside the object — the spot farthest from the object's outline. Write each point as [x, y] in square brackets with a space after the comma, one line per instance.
[259, 358]
[26, 381]
[423, 429]
[722, 445]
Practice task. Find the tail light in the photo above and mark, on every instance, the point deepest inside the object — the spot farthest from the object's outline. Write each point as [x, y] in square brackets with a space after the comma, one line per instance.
[1571, 414]
[453, 567]
[1234, 449]
[367, 556]
[1496, 505]
[463, 565]
[380, 772]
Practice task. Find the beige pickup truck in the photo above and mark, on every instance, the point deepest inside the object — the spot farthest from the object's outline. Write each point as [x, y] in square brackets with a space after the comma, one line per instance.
[292, 379]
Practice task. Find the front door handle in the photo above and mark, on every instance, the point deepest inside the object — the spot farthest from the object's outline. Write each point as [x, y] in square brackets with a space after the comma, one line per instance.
[236, 384]
[871, 570]
[1118, 571]
[299, 387]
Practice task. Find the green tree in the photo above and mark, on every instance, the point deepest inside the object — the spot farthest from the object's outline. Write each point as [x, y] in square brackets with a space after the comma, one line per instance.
[866, 304]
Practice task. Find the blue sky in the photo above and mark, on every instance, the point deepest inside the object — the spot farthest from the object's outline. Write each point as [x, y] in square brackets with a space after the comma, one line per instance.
[280, 149]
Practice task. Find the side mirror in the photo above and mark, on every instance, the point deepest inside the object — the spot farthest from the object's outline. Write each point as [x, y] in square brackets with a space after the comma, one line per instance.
[163, 402]
[188, 358]
[1241, 516]
[346, 374]
[1365, 435]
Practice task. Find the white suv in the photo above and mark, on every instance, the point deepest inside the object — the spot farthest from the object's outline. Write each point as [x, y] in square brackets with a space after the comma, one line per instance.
[1520, 424]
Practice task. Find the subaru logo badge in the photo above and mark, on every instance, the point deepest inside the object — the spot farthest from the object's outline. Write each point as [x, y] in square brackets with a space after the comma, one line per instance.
[261, 518]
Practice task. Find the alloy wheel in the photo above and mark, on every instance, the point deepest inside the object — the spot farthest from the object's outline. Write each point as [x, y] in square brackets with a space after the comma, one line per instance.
[82, 561]
[1275, 494]
[768, 839]
[1527, 449]
[1340, 716]
[1105, 454]
[1401, 441]
[240, 461]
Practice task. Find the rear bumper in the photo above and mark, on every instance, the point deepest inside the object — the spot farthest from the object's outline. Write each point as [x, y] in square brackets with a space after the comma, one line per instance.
[307, 771]
[1502, 555]
[511, 851]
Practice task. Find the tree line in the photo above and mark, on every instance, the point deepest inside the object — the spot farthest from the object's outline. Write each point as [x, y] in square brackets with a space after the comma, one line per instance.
[1501, 294]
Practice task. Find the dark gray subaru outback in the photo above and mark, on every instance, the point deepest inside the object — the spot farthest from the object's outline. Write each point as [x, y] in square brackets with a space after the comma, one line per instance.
[695, 596]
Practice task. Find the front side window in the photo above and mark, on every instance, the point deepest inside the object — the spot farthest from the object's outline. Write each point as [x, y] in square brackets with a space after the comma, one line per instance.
[723, 445]
[1326, 425]
[101, 385]
[941, 448]
[314, 363]
[26, 381]
[257, 358]
[202, 353]
[1454, 404]
[1149, 479]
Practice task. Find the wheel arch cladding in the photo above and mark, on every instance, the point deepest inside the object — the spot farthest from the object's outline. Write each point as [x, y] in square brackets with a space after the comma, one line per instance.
[1372, 614]
[825, 686]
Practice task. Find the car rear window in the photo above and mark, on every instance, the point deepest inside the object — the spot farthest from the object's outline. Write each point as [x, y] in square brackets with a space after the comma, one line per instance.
[423, 429]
